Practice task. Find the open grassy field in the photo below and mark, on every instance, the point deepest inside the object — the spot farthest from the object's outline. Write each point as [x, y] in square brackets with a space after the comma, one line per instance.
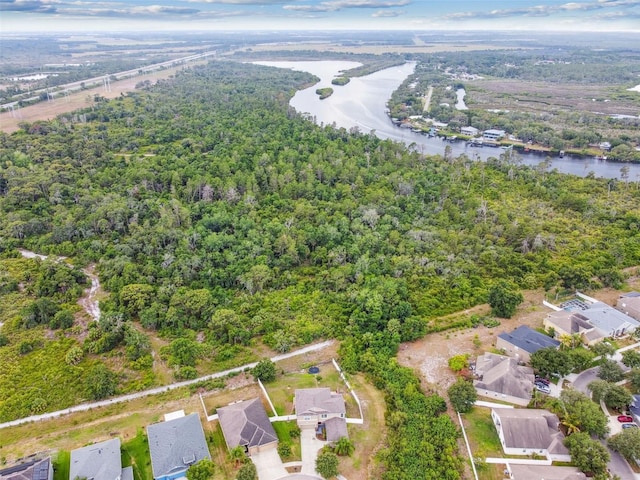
[539, 97]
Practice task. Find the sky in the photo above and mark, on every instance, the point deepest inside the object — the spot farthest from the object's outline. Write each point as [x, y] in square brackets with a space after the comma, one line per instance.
[212, 15]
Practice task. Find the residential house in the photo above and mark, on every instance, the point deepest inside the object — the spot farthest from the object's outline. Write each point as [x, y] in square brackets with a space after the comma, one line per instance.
[175, 445]
[501, 377]
[565, 322]
[524, 431]
[544, 472]
[99, 461]
[334, 429]
[36, 469]
[471, 131]
[493, 134]
[523, 342]
[246, 424]
[314, 406]
[611, 322]
[629, 304]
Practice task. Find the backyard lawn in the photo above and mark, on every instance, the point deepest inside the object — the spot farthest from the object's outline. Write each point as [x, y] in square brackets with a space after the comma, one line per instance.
[482, 434]
[282, 390]
[135, 453]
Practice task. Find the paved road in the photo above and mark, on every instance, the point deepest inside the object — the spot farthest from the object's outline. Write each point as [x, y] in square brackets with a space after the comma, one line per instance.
[165, 388]
[617, 464]
[584, 379]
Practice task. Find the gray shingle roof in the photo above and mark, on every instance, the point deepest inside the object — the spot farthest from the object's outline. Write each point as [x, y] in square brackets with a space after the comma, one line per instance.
[528, 339]
[314, 401]
[503, 375]
[100, 461]
[32, 470]
[335, 428]
[177, 444]
[607, 318]
[246, 423]
[531, 428]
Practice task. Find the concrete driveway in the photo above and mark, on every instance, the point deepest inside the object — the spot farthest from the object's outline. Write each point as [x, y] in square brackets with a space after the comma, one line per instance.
[310, 446]
[269, 465]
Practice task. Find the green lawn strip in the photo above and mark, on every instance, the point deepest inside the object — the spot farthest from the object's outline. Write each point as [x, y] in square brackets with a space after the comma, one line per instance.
[482, 434]
[220, 453]
[61, 465]
[283, 431]
[135, 453]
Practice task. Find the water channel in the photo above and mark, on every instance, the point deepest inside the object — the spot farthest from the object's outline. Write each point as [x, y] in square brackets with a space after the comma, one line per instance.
[362, 104]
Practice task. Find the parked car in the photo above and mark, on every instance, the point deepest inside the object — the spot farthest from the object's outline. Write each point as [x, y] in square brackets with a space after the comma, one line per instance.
[629, 425]
[541, 387]
[542, 380]
[625, 418]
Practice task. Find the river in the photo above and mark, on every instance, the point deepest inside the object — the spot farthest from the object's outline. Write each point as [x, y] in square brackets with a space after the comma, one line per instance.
[362, 104]
[89, 301]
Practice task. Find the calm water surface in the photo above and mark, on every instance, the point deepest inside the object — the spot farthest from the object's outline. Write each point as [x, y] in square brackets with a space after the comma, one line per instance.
[362, 104]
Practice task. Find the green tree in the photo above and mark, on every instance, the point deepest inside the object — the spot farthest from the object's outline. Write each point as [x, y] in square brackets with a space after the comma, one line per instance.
[551, 362]
[459, 362]
[627, 443]
[610, 371]
[603, 349]
[587, 454]
[631, 358]
[136, 297]
[344, 447]
[202, 470]
[247, 472]
[599, 389]
[504, 298]
[581, 358]
[184, 352]
[265, 370]
[582, 412]
[62, 319]
[237, 455]
[327, 464]
[462, 395]
[618, 397]
[634, 378]
[100, 382]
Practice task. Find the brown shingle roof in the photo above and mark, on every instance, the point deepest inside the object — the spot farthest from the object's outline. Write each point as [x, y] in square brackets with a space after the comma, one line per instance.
[314, 401]
[503, 375]
[246, 423]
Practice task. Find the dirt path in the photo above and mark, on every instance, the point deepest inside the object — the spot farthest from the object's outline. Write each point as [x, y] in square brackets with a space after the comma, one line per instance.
[90, 300]
[427, 100]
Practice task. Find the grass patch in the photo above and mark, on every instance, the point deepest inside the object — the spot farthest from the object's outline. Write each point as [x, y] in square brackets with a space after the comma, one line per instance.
[219, 453]
[61, 465]
[135, 453]
[283, 431]
[482, 434]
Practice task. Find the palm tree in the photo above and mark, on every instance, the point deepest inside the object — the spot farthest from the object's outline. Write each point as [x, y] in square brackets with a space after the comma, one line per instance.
[237, 455]
[344, 447]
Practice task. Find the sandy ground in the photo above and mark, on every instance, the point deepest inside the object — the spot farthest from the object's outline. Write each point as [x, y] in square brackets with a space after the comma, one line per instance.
[429, 355]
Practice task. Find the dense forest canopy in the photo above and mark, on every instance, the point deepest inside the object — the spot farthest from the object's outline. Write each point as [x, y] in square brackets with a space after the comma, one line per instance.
[210, 206]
